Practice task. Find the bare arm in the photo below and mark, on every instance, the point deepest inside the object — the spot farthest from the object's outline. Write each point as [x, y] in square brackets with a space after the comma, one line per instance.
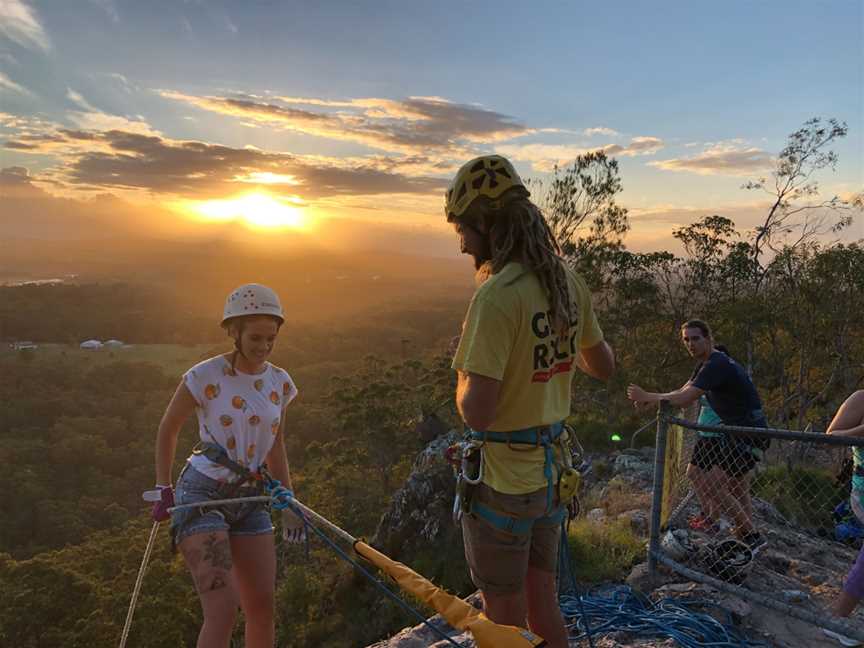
[293, 528]
[678, 398]
[597, 361]
[179, 409]
[277, 458]
[477, 399]
[849, 419]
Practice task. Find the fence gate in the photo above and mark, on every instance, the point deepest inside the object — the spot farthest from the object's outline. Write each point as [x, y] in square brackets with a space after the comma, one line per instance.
[715, 486]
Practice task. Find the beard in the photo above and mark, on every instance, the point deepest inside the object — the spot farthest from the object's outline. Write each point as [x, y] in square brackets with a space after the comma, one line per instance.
[482, 256]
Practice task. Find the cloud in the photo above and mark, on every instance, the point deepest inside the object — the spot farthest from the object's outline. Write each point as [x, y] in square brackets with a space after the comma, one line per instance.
[8, 84]
[108, 7]
[40, 143]
[79, 100]
[118, 159]
[91, 118]
[721, 159]
[122, 81]
[27, 212]
[101, 121]
[600, 130]
[544, 157]
[22, 127]
[637, 146]
[409, 125]
[15, 181]
[19, 23]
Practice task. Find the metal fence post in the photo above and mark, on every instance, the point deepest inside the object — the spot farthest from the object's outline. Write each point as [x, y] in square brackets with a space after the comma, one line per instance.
[659, 469]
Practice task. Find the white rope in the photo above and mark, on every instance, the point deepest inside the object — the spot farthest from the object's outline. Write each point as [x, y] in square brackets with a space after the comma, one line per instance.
[342, 533]
[138, 582]
[233, 500]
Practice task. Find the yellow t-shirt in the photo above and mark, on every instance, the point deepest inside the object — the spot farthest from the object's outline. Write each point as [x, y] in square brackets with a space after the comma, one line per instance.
[507, 336]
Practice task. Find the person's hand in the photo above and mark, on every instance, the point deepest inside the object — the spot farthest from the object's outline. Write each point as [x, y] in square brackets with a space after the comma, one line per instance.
[640, 406]
[636, 394]
[160, 513]
[293, 527]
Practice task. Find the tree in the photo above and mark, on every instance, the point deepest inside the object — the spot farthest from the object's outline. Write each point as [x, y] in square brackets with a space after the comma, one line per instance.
[796, 205]
[579, 204]
[797, 210]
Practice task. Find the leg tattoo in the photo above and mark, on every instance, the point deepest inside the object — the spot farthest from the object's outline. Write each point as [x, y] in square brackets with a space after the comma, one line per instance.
[218, 552]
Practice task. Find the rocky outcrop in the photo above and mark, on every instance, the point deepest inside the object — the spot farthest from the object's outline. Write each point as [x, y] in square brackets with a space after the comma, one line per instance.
[419, 515]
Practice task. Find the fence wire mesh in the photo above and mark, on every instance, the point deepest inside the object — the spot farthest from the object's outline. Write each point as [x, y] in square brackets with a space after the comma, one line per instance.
[768, 515]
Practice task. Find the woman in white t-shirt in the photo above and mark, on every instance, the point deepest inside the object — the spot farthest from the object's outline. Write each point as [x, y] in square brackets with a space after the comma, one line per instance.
[240, 400]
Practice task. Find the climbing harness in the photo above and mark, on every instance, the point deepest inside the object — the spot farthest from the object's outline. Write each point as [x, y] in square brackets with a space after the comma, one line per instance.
[561, 487]
[466, 458]
[215, 453]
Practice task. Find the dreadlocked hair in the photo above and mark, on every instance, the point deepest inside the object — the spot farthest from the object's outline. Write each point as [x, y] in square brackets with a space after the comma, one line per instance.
[519, 230]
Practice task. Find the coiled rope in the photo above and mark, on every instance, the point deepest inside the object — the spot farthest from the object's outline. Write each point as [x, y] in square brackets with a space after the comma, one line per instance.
[621, 609]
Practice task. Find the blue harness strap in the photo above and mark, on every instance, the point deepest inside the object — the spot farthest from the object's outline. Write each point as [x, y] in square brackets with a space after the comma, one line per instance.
[542, 436]
[515, 525]
[536, 436]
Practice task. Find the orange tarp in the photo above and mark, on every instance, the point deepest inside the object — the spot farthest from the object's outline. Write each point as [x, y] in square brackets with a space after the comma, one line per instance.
[458, 613]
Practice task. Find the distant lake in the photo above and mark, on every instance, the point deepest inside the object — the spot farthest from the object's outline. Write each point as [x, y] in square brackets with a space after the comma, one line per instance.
[37, 282]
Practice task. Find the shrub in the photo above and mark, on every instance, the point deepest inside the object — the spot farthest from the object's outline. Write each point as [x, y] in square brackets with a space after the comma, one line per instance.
[805, 496]
[604, 551]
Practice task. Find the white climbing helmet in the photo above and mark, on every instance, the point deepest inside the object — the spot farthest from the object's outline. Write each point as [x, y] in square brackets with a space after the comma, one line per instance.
[252, 299]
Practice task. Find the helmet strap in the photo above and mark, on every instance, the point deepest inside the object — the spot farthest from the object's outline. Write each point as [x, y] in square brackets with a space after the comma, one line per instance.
[238, 346]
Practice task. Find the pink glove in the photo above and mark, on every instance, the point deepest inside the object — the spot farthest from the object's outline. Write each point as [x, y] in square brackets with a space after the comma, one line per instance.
[160, 509]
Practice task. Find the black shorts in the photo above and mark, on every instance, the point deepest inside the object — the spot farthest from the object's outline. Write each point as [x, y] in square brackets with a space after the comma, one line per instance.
[734, 458]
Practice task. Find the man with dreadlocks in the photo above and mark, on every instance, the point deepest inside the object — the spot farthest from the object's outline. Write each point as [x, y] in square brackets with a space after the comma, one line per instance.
[529, 322]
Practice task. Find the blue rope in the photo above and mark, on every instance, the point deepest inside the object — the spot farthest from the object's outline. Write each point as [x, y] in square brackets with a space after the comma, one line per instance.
[620, 609]
[565, 564]
[375, 581]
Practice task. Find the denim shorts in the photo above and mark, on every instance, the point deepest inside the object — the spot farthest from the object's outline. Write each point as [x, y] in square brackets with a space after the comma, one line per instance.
[252, 518]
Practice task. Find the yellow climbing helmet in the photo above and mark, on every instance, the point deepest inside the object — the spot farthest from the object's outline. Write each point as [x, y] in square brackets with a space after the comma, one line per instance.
[487, 175]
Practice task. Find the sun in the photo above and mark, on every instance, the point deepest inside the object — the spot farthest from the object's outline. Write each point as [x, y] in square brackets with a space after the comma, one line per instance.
[257, 210]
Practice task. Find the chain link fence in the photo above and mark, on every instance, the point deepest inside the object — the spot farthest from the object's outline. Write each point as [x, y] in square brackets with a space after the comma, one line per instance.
[759, 513]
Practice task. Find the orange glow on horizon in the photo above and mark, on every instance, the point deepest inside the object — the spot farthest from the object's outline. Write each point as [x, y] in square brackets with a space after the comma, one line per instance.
[257, 210]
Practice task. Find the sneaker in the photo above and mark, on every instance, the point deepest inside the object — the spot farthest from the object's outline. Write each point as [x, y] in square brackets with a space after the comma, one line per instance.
[843, 639]
[755, 540]
[703, 524]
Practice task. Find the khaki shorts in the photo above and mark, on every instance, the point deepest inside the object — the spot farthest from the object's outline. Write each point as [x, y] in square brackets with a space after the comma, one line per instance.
[499, 560]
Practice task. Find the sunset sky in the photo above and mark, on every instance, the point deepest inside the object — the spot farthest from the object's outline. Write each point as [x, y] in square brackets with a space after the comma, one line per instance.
[327, 119]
